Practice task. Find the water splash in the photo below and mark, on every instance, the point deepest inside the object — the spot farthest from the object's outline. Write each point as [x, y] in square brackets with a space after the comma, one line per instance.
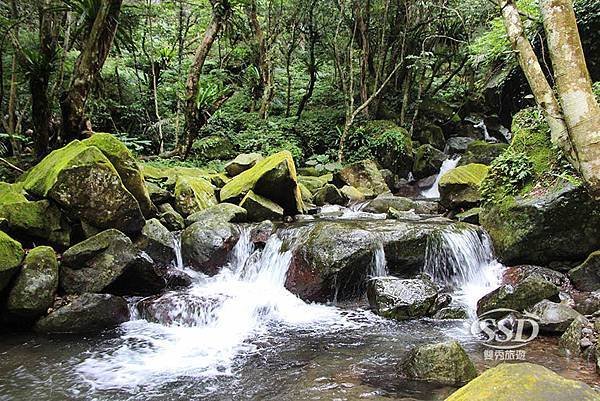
[461, 259]
[378, 264]
[434, 191]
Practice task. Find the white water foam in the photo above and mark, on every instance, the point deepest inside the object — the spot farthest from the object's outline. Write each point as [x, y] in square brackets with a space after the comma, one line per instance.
[378, 264]
[207, 327]
[434, 191]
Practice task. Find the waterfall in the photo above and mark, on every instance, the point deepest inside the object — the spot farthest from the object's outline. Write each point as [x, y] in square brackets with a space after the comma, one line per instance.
[203, 330]
[177, 247]
[434, 191]
[378, 264]
[461, 259]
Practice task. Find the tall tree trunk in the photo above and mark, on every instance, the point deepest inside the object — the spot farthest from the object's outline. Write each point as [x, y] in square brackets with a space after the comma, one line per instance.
[363, 28]
[579, 105]
[312, 62]
[542, 91]
[88, 66]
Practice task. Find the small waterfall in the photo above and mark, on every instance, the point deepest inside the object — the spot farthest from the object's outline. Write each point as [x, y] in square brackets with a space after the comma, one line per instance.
[434, 191]
[378, 264]
[177, 247]
[462, 260]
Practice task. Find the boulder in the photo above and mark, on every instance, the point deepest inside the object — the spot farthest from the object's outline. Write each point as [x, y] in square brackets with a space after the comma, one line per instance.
[457, 145]
[570, 341]
[158, 195]
[383, 203]
[205, 245]
[329, 194]
[11, 255]
[523, 382]
[226, 212]
[313, 184]
[180, 309]
[482, 152]
[451, 312]
[519, 296]
[157, 242]
[586, 276]
[259, 208]
[587, 303]
[170, 218]
[127, 168]
[553, 317]
[364, 176]
[86, 313]
[443, 363]
[431, 135]
[402, 299]
[273, 178]
[84, 183]
[561, 225]
[428, 161]
[213, 147]
[193, 195]
[460, 187]
[305, 193]
[34, 288]
[242, 162]
[353, 194]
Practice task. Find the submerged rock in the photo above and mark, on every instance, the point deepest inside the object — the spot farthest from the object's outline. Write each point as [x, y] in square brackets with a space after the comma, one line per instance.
[34, 288]
[205, 246]
[364, 176]
[180, 309]
[242, 163]
[402, 299]
[259, 208]
[523, 382]
[11, 255]
[586, 276]
[193, 195]
[459, 187]
[553, 317]
[444, 363]
[86, 313]
[226, 212]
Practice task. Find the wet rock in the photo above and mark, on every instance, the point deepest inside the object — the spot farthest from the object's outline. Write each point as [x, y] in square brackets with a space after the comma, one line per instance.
[383, 203]
[451, 312]
[459, 187]
[432, 135]
[515, 274]
[273, 178]
[444, 363]
[364, 176]
[586, 276]
[205, 245]
[553, 317]
[226, 212]
[587, 302]
[34, 288]
[11, 255]
[571, 339]
[482, 152]
[158, 195]
[260, 233]
[180, 309]
[142, 276]
[193, 195]
[82, 181]
[428, 161]
[402, 299]
[86, 313]
[157, 242]
[170, 218]
[242, 162]
[329, 194]
[259, 208]
[469, 216]
[353, 194]
[523, 381]
[520, 296]
[560, 225]
[458, 144]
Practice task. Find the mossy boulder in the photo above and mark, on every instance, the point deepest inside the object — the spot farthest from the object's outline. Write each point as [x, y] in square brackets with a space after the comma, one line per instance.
[170, 218]
[523, 382]
[443, 363]
[428, 161]
[314, 183]
[157, 242]
[127, 167]
[553, 317]
[402, 299]
[431, 135]
[259, 208]
[387, 142]
[570, 341]
[353, 194]
[242, 162]
[460, 187]
[86, 313]
[364, 176]
[213, 147]
[226, 212]
[81, 180]
[331, 195]
[586, 276]
[34, 288]
[205, 245]
[11, 255]
[482, 152]
[193, 195]
[273, 178]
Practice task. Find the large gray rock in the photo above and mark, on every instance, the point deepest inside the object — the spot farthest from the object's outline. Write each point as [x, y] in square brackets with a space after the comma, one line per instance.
[364, 176]
[402, 299]
[329, 194]
[205, 246]
[553, 317]
[428, 161]
[179, 308]
[458, 144]
[225, 212]
[157, 242]
[242, 163]
[259, 208]
[443, 363]
[586, 276]
[383, 203]
[34, 288]
[170, 218]
[86, 313]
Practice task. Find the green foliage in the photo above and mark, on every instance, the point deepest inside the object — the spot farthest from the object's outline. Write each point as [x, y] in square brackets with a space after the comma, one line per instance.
[596, 89]
[507, 174]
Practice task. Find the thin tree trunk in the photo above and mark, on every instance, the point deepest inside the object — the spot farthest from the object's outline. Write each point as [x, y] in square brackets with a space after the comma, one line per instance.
[579, 105]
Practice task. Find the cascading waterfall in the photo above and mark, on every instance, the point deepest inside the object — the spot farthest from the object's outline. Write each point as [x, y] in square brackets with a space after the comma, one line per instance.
[202, 330]
[462, 260]
[378, 264]
[434, 191]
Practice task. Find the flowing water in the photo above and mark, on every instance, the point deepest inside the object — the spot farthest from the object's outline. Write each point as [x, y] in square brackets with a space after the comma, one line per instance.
[434, 191]
[241, 335]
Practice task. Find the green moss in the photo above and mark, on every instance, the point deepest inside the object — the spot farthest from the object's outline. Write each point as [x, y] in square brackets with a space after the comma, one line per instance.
[260, 208]
[11, 255]
[471, 174]
[193, 195]
[11, 193]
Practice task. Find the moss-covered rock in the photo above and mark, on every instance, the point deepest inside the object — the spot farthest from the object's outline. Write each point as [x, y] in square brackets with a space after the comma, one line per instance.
[428, 161]
[364, 176]
[570, 342]
[460, 187]
[402, 299]
[34, 288]
[170, 218]
[127, 167]
[87, 313]
[458, 145]
[331, 195]
[432, 135]
[586, 276]
[353, 194]
[260, 208]
[226, 212]
[205, 245]
[242, 162]
[305, 193]
[157, 242]
[213, 147]
[313, 184]
[523, 382]
[482, 152]
[273, 178]
[444, 363]
[11, 255]
[84, 182]
[193, 195]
